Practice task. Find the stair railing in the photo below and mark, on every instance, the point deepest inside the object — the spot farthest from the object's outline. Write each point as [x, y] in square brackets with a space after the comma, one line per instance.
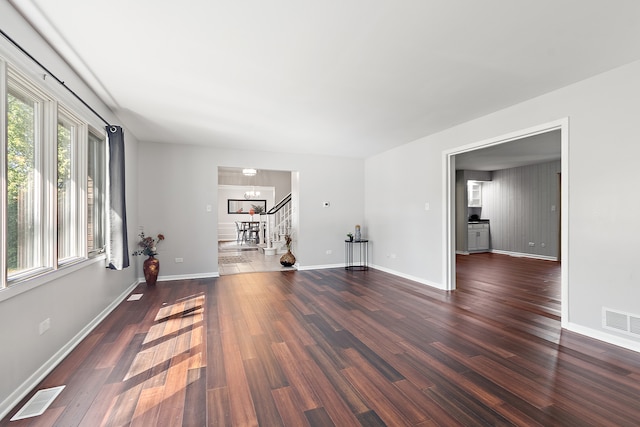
[278, 220]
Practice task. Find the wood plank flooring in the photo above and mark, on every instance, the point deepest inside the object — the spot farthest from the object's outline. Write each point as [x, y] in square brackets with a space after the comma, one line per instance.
[339, 348]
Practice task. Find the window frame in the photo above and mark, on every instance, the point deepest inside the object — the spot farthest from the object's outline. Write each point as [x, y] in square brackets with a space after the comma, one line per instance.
[43, 205]
[95, 251]
[3, 173]
[78, 196]
[53, 106]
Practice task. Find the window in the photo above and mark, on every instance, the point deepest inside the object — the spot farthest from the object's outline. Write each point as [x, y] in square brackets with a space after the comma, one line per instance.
[67, 188]
[24, 250]
[53, 166]
[96, 193]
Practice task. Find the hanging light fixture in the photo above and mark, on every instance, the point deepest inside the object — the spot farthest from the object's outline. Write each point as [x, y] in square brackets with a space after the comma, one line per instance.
[249, 172]
[251, 194]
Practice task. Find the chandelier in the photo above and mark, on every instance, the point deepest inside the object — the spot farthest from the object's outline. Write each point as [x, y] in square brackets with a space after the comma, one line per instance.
[251, 194]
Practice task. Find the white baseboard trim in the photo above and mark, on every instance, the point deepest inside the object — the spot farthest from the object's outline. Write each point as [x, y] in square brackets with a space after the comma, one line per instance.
[591, 333]
[319, 267]
[603, 336]
[409, 277]
[523, 255]
[377, 267]
[184, 277]
[30, 383]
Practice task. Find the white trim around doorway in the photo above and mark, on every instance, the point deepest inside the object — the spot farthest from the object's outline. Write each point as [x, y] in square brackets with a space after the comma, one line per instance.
[448, 158]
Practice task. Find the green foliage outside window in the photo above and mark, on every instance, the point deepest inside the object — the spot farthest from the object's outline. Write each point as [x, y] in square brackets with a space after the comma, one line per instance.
[20, 172]
[65, 191]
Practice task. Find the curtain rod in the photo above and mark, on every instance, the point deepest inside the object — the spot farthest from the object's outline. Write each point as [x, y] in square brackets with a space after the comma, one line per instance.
[13, 42]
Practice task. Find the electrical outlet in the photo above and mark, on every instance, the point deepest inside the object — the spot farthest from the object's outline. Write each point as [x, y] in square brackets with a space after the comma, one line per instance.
[531, 244]
[329, 251]
[179, 260]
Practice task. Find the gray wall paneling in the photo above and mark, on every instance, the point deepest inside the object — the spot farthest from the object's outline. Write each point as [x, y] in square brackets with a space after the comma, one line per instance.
[523, 206]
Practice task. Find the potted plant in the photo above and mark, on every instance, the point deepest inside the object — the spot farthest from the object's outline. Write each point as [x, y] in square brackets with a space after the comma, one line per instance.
[151, 265]
[350, 237]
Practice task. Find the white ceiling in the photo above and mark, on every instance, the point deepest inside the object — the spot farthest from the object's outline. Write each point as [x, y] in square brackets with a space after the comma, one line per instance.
[540, 148]
[337, 77]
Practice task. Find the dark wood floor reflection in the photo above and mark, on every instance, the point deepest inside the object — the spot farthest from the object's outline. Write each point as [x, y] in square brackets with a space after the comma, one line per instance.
[331, 347]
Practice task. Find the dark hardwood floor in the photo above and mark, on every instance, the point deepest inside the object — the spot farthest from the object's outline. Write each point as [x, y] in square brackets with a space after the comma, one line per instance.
[332, 347]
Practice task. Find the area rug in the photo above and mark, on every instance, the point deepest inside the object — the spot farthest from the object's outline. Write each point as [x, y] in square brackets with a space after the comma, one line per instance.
[234, 247]
[232, 259]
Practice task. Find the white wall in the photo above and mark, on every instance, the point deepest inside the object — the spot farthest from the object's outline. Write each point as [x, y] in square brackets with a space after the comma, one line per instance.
[72, 301]
[174, 202]
[602, 262]
[405, 238]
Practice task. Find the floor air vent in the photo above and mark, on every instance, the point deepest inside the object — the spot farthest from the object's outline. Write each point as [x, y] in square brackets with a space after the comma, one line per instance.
[620, 321]
[38, 403]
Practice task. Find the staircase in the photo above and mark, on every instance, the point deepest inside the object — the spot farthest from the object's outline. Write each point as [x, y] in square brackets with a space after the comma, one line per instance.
[278, 224]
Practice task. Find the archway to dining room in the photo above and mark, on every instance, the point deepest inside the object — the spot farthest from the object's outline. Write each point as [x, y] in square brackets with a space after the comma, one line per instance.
[254, 215]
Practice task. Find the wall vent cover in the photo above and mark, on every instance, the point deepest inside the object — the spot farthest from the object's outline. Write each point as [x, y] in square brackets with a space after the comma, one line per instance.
[634, 325]
[621, 321]
[38, 403]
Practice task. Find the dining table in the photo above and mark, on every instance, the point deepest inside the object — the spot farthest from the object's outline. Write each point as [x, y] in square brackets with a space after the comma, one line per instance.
[252, 230]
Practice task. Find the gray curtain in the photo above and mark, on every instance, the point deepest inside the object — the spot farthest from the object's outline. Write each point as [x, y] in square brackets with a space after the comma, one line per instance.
[118, 247]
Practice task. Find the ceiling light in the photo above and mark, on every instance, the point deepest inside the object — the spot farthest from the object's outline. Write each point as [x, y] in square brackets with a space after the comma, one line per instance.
[251, 194]
[249, 172]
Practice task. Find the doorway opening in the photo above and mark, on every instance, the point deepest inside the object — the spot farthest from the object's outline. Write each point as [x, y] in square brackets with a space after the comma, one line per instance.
[512, 146]
[248, 240]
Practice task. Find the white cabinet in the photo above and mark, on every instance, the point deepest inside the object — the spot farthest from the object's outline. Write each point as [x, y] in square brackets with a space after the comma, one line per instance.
[478, 238]
[474, 194]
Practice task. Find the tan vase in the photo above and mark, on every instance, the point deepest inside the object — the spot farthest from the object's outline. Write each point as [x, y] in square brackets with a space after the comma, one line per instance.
[151, 268]
[288, 259]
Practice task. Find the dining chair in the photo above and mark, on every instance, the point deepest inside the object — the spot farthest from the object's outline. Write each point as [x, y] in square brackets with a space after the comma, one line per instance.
[254, 232]
[241, 233]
